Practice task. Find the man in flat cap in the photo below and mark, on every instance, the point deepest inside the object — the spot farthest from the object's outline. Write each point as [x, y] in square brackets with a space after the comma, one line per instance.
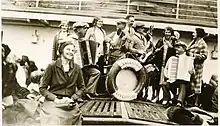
[177, 73]
[138, 43]
[91, 74]
[118, 39]
[60, 38]
[139, 46]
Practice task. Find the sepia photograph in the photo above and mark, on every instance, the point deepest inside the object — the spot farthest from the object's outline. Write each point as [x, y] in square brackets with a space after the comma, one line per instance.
[109, 62]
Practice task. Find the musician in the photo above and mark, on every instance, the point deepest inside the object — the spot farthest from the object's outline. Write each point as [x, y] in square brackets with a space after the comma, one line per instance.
[62, 84]
[199, 50]
[177, 77]
[129, 25]
[138, 44]
[59, 38]
[164, 50]
[91, 74]
[97, 33]
[117, 42]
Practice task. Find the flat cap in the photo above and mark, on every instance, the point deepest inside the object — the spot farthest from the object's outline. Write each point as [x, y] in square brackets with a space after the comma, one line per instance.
[121, 21]
[80, 24]
[139, 24]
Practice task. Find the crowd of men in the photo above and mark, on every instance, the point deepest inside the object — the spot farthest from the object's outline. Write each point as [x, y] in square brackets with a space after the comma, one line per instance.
[67, 80]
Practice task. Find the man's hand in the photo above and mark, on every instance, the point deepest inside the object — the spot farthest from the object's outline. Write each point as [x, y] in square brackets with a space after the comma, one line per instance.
[31, 96]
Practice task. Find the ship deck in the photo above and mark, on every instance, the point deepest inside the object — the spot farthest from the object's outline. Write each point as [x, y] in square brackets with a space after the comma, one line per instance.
[105, 111]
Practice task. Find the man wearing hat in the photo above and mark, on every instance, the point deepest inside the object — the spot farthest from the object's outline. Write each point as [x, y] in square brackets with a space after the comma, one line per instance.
[60, 38]
[91, 74]
[117, 41]
[178, 71]
[138, 43]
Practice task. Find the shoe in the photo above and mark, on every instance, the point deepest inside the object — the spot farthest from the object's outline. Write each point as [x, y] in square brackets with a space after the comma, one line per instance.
[164, 102]
[80, 100]
[94, 95]
[155, 100]
[88, 96]
[168, 104]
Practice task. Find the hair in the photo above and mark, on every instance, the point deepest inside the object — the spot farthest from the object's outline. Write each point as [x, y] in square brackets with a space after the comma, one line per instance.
[63, 45]
[95, 20]
[200, 32]
[128, 16]
[32, 66]
[24, 59]
[169, 29]
[7, 50]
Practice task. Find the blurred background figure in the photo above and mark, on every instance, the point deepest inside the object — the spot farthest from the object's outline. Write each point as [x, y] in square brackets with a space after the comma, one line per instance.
[59, 38]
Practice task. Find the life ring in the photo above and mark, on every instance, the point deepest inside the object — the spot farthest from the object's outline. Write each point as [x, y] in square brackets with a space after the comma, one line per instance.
[125, 79]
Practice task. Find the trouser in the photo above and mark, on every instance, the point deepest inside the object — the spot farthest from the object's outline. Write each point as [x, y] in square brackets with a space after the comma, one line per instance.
[91, 76]
[181, 84]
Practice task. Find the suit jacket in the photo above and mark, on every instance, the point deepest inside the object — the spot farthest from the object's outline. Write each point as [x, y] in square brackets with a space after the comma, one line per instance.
[61, 83]
[138, 42]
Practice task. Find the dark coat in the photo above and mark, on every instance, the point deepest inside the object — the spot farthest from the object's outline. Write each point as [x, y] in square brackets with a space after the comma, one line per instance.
[9, 81]
[158, 60]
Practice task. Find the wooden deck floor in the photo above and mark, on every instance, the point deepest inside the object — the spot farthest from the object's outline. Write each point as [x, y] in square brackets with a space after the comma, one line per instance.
[119, 112]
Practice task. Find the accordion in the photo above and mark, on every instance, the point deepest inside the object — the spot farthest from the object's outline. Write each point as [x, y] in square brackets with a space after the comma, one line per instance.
[87, 53]
[179, 68]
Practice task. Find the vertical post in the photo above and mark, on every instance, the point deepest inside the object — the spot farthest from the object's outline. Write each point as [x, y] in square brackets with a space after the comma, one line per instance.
[177, 9]
[1, 36]
[128, 4]
[37, 2]
[80, 4]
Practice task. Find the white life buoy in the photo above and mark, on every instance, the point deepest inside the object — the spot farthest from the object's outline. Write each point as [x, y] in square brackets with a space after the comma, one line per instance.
[125, 79]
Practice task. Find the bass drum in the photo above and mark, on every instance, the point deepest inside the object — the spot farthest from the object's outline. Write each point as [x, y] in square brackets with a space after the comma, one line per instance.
[125, 79]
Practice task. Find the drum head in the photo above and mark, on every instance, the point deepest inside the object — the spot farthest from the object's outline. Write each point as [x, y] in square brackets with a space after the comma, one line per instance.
[126, 80]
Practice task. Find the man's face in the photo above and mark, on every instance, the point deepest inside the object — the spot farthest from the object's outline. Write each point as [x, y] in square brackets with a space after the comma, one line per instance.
[68, 52]
[167, 34]
[121, 26]
[179, 50]
[64, 27]
[131, 21]
[141, 30]
[3, 53]
[99, 23]
[82, 31]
